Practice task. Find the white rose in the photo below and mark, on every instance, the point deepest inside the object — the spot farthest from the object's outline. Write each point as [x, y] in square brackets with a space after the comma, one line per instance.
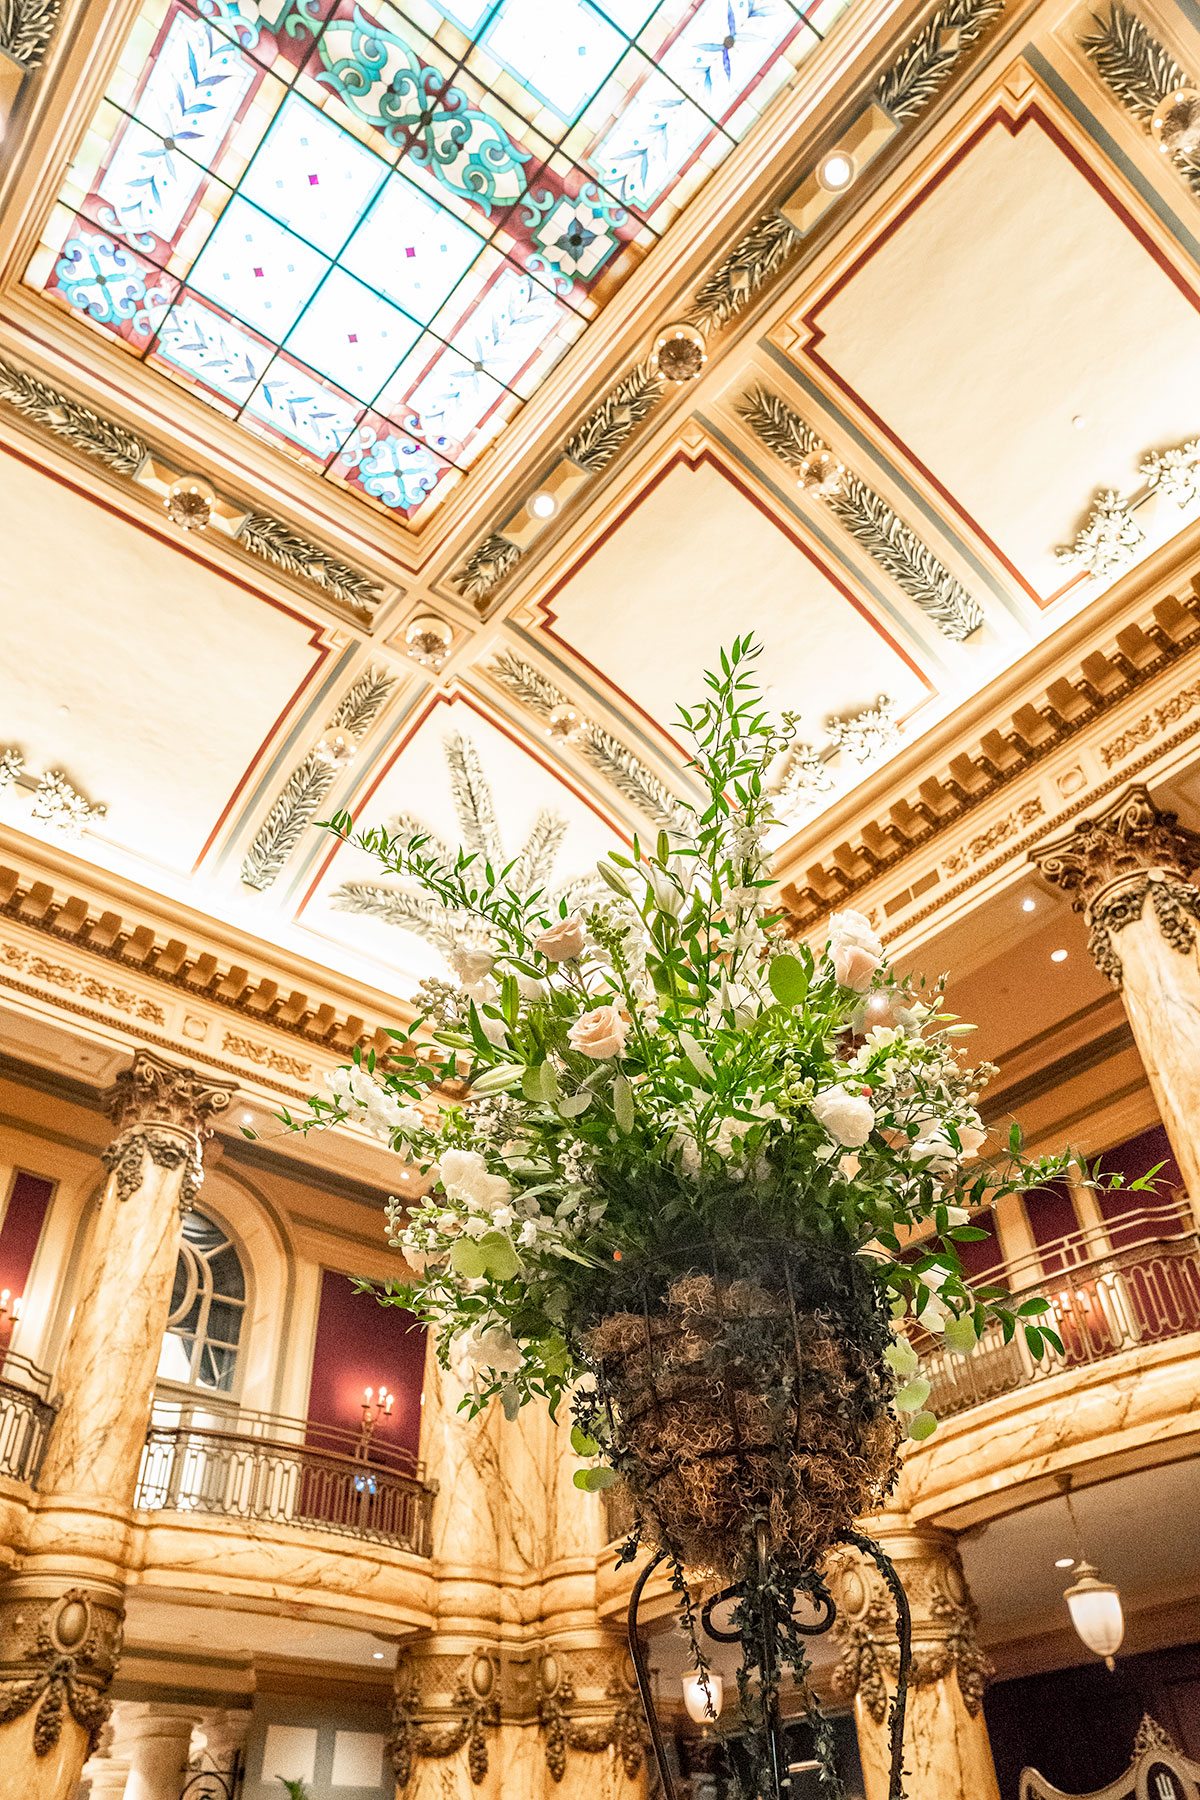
[471, 962]
[935, 1149]
[852, 929]
[530, 987]
[562, 940]
[847, 1117]
[465, 1176]
[493, 1349]
[956, 1215]
[599, 1034]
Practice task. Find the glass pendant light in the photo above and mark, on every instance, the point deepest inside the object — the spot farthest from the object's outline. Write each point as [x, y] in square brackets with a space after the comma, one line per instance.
[1094, 1605]
[703, 1694]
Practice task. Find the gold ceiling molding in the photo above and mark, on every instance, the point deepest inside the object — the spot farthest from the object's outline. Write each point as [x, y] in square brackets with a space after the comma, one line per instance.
[904, 557]
[85, 929]
[264, 537]
[26, 27]
[1151, 86]
[310, 782]
[772, 244]
[607, 754]
[941, 802]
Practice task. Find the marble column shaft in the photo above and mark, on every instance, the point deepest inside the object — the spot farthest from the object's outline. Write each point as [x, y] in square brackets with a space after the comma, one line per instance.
[1128, 871]
[61, 1609]
[947, 1755]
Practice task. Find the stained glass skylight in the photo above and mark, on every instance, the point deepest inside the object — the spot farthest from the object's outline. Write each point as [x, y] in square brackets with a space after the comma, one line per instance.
[368, 231]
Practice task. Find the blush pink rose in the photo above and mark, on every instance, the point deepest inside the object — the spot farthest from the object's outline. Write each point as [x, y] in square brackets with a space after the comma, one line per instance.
[854, 967]
[599, 1034]
[561, 941]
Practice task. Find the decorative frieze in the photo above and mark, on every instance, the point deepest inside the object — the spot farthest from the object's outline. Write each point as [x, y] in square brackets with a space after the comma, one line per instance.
[74, 981]
[250, 1050]
[82, 428]
[297, 555]
[57, 1659]
[311, 780]
[764, 250]
[1002, 832]
[615, 1725]
[865, 514]
[1151, 723]
[26, 27]
[928, 60]
[607, 754]
[596, 442]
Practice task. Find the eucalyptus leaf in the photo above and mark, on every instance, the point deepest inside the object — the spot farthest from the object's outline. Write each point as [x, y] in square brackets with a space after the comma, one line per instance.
[573, 1105]
[922, 1427]
[467, 1259]
[582, 1444]
[500, 1260]
[788, 980]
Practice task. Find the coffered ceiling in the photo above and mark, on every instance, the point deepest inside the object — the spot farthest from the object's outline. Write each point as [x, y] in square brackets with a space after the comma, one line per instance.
[945, 281]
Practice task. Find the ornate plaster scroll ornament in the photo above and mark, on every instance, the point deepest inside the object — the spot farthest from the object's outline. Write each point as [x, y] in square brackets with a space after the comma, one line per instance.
[1174, 473]
[866, 515]
[1110, 864]
[947, 1643]
[489, 563]
[311, 780]
[604, 431]
[867, 734]
[152, 1091]
[928, 60]
[1151, 86]
[474, 1702]
[804, 778]
[1108, 541]
[606, 753]
[44, 405]
[12, 762]
[59, 1660]
[57, 804]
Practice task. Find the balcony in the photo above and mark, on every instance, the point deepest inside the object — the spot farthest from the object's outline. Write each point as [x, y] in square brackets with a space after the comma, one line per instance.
[26, 1415]
[1132, 1282]
[266, 1469]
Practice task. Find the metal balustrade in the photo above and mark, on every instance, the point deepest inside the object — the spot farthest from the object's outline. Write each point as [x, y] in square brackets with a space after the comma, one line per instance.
[1134, 1280]
[26, 1415]
[285, 1472]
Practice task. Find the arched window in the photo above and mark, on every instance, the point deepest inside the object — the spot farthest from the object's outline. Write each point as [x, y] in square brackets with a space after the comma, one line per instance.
[200, 1345]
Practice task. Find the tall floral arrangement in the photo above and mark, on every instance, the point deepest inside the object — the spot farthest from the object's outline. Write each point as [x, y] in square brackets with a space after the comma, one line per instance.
[703, 1175]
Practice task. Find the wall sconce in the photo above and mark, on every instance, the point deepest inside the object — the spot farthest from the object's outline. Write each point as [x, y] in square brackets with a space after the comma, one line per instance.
[10, 1306]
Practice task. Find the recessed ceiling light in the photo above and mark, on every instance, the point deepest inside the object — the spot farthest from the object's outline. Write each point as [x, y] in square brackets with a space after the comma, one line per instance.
[836, 171]
[1058, 956]
[378, 1654]
[1027, 905]
[543, 506]
[1064, 1562]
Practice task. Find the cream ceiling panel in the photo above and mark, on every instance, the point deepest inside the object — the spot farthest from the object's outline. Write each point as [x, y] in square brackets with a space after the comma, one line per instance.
[1016, 336]
[146, 677]
[416, 778]
[696, 562]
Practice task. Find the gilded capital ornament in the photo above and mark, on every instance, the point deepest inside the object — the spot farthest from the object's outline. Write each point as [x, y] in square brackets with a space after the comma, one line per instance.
[163, 1114]
[58, 1654]
[1110, 865]
[441, 1706]
[945, 1629]
[605, 1716]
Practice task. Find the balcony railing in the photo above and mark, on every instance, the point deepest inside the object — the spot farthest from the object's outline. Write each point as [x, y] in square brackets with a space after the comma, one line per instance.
[26, 1415]
[285, 1472]
[1134, 1280]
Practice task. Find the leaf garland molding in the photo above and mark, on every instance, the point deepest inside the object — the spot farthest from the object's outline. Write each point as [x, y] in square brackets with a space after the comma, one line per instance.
[904, 557]
[311, 780]
[903, 93]
[121, 450]
[1143, 75]
[26, 27]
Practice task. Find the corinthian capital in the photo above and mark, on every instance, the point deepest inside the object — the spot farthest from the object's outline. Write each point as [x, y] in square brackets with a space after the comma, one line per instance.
[1130, 838]
[153, 1091]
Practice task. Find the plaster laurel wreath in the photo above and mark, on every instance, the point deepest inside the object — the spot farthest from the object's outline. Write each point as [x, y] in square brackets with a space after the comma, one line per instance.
[707, 1180]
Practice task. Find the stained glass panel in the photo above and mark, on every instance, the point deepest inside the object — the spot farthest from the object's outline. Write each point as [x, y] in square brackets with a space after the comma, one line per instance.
[368, 229]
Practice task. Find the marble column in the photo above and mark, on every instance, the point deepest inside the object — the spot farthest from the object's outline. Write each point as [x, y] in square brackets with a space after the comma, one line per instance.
[947, 1755]
[61, 1611]
[1128, 871]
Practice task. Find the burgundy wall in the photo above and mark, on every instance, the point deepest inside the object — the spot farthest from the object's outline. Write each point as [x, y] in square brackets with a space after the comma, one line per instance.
[361, 1344]
[20, 1232]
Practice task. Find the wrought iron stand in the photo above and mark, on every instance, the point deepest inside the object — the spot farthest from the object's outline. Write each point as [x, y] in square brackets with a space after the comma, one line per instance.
[780, 1778]
[216, 1784]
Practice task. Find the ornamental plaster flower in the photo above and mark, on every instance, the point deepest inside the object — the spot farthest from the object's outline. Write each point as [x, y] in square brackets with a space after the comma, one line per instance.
[599, 1034]
[847, 1117]
[854, 967]
[562, 940]
[465, 1176]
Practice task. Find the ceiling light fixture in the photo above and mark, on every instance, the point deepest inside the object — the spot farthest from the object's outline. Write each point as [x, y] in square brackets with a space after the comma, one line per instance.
[836, 171]
[189, 503]
[1027, 905]
[377, 1655]
[703, 1694]
[1094, 1605]
[679, 353]
[1064, 1562]
[543, 506]
[1058, 956]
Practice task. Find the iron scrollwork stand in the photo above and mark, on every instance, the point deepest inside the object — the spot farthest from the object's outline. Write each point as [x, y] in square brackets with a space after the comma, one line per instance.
[818, 1591]
[216, 1784]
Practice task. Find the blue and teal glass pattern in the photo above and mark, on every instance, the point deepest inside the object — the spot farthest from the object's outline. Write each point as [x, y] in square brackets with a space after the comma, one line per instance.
[370, 238]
